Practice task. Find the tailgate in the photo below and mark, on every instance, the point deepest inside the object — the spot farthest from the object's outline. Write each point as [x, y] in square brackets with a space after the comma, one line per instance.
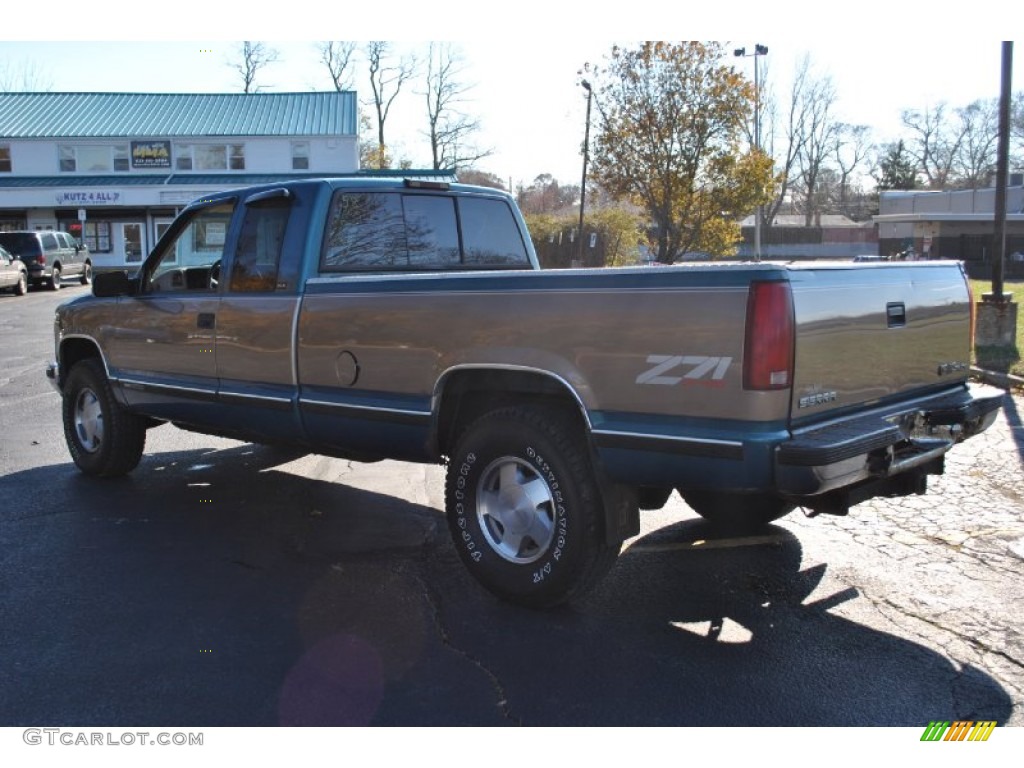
[867, 333]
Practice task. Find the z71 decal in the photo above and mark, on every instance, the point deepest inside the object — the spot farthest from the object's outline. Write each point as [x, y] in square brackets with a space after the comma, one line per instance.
[703, 370]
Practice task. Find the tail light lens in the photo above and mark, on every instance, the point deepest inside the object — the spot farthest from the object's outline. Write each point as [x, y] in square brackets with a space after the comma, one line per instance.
[768, 352]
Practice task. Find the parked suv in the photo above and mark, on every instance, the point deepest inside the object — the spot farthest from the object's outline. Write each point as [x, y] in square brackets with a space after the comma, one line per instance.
[49, 256]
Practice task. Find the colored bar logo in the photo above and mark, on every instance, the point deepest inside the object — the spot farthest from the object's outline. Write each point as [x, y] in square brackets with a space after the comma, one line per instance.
[960, 730]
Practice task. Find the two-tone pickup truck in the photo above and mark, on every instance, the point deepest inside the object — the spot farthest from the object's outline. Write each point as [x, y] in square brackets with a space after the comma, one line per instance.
[370, 319]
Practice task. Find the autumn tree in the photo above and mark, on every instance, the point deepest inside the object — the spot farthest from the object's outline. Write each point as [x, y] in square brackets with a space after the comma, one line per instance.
[387, 77]
[621, 231]
[546, 195]
[480, 178]
[671, 118]
[449, 129]
[253, 57]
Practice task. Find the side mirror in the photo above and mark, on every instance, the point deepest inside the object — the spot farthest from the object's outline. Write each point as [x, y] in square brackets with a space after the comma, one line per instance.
[111, 284]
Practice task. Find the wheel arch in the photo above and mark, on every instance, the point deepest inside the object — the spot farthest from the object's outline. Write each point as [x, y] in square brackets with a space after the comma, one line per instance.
[465, 392]
[74, 349]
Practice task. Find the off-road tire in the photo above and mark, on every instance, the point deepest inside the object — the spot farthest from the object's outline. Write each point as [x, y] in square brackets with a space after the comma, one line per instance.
[737, 514]
[104, 438]
[524, 507]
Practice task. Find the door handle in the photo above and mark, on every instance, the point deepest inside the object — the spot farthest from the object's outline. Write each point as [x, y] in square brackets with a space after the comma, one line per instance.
[205, 320]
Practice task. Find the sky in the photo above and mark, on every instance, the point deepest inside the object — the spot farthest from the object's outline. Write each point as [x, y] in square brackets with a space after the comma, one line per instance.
[523, 60]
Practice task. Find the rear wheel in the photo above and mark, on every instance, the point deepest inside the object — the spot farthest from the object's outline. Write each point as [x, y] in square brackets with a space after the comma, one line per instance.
[21, 288]
[524, 507]
[55, 278]
[736, 513]
[104, 438]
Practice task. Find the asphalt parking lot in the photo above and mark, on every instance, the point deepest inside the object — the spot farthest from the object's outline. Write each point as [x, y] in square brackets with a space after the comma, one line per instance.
[230, 584]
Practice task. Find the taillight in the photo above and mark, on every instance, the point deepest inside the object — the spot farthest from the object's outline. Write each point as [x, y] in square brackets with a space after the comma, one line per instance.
[768, 352]
[41, 258]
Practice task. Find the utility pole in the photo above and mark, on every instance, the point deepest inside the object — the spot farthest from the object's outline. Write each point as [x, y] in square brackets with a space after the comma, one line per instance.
[583, 184]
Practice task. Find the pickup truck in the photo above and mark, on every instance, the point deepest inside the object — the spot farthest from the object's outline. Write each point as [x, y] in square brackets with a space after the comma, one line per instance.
[408, 319]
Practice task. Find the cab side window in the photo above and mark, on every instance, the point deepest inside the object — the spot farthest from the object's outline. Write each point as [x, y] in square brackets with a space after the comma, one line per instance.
[490, 235]
[258, 255]
[190, 261]
[365, 231]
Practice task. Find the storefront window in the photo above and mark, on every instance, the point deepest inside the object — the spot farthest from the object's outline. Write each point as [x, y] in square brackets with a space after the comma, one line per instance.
[97, 236]
[92, 159]
[300, 155]
[5, 158]
[237, 157]
[183, 157]
[209, 157]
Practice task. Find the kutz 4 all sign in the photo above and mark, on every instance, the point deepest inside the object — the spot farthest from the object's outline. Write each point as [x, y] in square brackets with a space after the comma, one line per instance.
[960, 730]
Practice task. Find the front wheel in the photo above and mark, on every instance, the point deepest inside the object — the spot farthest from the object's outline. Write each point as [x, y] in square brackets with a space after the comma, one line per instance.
[86, 277]
[104, 438]
[736, 513]
[524, 507]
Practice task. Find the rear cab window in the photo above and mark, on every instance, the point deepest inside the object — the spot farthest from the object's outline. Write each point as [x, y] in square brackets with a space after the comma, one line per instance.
[402, 231]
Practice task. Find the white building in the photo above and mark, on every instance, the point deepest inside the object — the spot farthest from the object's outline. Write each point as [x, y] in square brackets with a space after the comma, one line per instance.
[124, 164]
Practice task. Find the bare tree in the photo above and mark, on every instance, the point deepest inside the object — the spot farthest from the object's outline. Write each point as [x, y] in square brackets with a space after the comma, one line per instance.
[954, 149]
[979, 129]
[853, 153]
[253, 58]
[450, 130]
[386, 81]
[791, 135]
[25, 76]
[337, 56]
[819, 138]
[933, 143]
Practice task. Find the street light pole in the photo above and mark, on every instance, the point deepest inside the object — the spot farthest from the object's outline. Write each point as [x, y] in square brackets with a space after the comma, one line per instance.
[759, 50]
[583, 184]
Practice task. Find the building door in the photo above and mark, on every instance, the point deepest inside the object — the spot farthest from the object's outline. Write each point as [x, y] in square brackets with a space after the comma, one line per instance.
[132, 243]
[159, 227]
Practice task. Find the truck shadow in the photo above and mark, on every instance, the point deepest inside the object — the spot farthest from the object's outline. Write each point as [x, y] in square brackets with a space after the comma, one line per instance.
[218, 588]
[1013, 418]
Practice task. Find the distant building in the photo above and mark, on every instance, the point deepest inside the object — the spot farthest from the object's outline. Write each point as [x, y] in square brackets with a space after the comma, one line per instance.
[129, 162]
[830, 237]
[953, 225]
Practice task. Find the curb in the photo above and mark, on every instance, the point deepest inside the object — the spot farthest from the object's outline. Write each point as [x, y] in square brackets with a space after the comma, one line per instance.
[1003, 380]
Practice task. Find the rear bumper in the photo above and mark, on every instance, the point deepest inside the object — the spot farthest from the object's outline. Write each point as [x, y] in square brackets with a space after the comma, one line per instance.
[885, 443]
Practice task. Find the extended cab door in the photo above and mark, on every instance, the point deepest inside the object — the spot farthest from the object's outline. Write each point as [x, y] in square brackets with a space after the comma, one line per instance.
[163, 348]
[255, 363]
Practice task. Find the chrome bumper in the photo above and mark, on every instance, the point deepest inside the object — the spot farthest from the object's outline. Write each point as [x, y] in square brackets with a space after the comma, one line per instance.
[883, 444]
